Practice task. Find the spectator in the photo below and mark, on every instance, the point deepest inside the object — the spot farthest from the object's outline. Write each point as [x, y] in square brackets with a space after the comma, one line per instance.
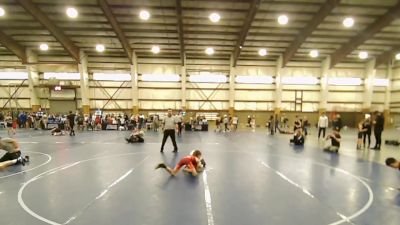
[322, 124]
[379, 122]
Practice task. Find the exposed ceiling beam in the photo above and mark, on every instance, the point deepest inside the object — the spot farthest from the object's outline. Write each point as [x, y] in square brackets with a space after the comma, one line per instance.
[368, 33]
[30, 7]
[387, 56]
[251, 14]
[180, 30]
[318, 18]
[117, 29]
[13, 46]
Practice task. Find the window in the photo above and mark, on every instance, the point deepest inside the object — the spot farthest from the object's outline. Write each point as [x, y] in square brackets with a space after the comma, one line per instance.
[112, 76]
[300, 80]
[62, 76]
[381, 82]
[346, 81]
[13, 76]
[208, 78]
[254, 79]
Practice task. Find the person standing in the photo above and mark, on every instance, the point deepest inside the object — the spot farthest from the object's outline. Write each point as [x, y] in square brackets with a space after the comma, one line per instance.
[305, 125]
[235, 121]
[276, 119]
[71, 121]
[271, 124]
[337, 122]
[169, 130]
[253, 123]
[297, 123]
[378, 128]
[367, 133]
[226, 123]
[179, 120]
[322, 124]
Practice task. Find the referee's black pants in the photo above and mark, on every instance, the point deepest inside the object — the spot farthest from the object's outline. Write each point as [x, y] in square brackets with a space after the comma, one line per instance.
[171, 133]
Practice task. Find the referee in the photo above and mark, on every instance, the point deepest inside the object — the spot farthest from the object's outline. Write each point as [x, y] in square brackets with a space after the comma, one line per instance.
[169, 130]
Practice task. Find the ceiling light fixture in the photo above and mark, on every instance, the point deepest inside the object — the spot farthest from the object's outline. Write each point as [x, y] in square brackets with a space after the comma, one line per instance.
[348, 22]
[155, 49]
[262, 52]
[144, 15]
[214, 17]
[209, 51]
[72, 12]
[363, 55]
[398, 56]
[43, 47]
[2, 11]
[100, 48]
[314, 53]
[283, 19]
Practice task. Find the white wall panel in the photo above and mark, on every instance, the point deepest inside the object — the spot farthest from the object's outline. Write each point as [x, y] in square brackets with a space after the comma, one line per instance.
[160, 94]
[381, 73]
[378, 97]
[207, 85]
[99, 104]
[346, 88]
[264, 106]
[255, 95]
[300, 72]
[254, 86]
[288, 95]
[159, 69]
[395, 97]
[208, 106]
[22, 92]
[20, 103]
[255, 71]
[204, 94]
[360, 73]
[345, 97]
[301, 87]
[310, 107]
[311, 96]
[287, 106]
[160, 84]
[105, 93]
[377, 107]
[108, 83]
[344, 107]
[160, 105]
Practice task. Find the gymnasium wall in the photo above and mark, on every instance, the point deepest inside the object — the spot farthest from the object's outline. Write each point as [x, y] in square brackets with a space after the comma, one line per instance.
[258, 99]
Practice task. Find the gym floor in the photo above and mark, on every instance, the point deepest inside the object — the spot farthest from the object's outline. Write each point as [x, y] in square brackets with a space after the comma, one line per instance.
[251, 178]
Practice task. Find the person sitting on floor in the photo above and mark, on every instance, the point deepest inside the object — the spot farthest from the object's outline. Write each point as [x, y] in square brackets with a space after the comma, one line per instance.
[298, 138]
[57, 132]
[335, 140]
[392, 162]
[193, 164]
[137, 135]
[13, 155]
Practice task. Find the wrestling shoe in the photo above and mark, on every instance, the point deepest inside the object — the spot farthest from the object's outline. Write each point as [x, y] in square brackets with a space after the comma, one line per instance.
[20, 160]
[161, 165]
[203, 162]
[26, 158]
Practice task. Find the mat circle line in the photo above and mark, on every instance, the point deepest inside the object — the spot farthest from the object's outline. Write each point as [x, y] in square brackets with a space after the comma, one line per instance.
[54, 170]
[24, 171]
